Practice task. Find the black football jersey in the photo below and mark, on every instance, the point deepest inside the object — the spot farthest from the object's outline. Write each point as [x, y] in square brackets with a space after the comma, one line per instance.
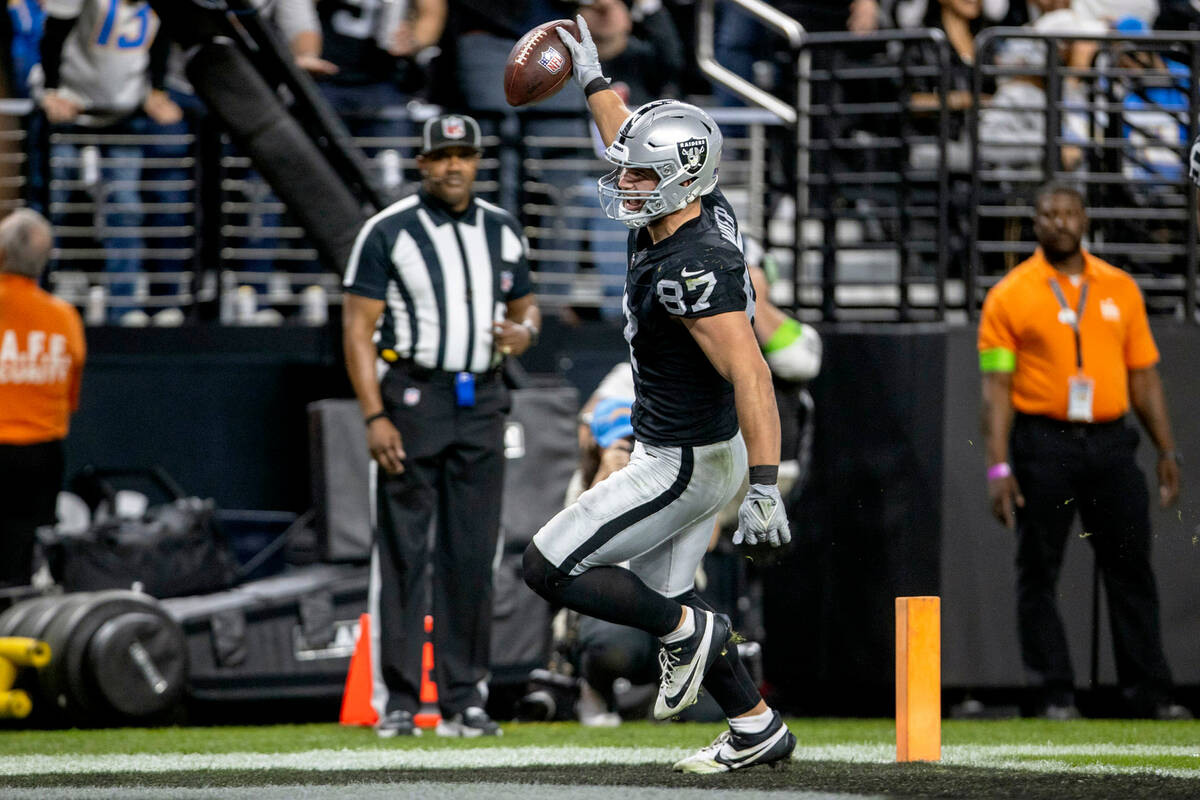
[698, 271]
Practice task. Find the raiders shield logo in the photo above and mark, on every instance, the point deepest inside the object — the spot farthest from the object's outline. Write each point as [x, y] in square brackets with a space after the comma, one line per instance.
[692, 154]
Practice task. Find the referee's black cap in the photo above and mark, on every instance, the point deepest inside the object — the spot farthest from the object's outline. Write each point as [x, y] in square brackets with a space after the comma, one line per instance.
[451, 130]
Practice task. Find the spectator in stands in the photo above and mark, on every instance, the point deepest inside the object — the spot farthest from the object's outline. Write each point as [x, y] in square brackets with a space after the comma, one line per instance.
[485, 31]
[855, 16]
[1153, 117]
[103, 71]
[642, 67]
[41, 367]
[1009, 13]
[744, 45]
[20, 31]
[1066, 350]
[379, 49]
[960, 21]
[298, 25]
[759, 54]
[253, 232]
[1012, 129]
[1109, 11]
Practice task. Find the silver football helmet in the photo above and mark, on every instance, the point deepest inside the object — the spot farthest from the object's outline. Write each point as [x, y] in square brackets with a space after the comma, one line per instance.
[678, 141]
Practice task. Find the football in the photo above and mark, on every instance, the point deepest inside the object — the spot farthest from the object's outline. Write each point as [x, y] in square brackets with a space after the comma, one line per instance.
[538, 64]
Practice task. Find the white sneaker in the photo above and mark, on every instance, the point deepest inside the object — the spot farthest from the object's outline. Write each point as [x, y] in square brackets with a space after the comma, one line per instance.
[471, 722]
[732, 750]
[168, 318]
[592, 709]
[134, 319]
[684, 664]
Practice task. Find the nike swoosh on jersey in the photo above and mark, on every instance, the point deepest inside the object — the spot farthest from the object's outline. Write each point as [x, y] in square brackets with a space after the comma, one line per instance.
[688, 274]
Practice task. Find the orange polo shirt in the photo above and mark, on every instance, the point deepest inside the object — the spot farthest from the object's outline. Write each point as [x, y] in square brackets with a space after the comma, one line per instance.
[1021, 332]
[41, 362]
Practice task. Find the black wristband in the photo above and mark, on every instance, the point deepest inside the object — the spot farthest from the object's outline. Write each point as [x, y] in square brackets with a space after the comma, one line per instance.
[766, 474]
[375, 416]
[595, 85]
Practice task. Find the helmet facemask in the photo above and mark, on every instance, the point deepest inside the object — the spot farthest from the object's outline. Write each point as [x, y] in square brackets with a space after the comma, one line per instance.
[680, 143]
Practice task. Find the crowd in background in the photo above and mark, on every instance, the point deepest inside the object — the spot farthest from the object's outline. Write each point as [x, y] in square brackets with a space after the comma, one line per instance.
[103, 66]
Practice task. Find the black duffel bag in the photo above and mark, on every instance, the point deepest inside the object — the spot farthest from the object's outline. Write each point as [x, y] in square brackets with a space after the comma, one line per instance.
[173, 550]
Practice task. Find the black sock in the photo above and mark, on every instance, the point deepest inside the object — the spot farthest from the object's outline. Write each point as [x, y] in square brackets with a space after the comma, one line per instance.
[613, 594]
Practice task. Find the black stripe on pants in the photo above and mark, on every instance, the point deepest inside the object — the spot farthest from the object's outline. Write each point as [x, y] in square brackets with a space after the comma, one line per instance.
[1063, 468]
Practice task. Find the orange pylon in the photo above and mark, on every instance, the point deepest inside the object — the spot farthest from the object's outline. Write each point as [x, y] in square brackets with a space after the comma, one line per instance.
[428, 716]
[356, 699]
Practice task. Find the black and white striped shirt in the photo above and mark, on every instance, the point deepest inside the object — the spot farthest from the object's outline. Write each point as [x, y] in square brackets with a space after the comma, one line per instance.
[445, 278]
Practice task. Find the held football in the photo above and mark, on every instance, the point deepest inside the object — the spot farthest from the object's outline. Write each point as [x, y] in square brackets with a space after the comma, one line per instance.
[539, 64]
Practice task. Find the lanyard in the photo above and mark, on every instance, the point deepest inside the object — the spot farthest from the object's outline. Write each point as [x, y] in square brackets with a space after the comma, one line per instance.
[1072, 317]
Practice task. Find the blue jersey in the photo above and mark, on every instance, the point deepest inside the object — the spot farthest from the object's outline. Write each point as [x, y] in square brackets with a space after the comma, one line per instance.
[698, 271]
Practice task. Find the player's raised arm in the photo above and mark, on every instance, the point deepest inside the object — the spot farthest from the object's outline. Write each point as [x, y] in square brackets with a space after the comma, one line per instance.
[606, 106]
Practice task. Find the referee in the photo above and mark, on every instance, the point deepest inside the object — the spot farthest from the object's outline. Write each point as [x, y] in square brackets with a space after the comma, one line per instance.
[437, 291]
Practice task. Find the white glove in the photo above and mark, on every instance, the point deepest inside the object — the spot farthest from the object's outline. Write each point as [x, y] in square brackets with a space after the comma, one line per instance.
[583, 54]
[761, 518]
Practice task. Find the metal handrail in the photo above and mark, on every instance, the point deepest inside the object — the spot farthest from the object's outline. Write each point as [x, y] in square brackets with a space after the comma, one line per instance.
[791, 29]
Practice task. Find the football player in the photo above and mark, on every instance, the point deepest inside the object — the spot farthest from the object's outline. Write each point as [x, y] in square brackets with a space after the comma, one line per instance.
[704, 417]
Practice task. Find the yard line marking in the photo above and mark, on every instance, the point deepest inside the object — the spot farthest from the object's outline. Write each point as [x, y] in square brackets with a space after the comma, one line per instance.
[1006, 757]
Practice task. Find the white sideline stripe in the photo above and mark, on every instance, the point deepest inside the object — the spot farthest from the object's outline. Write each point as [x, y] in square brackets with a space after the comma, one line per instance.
[1006, 757]
[427, 790]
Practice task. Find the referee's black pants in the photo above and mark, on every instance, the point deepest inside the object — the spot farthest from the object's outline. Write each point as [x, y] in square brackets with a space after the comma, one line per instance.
[30, 477]
[1063, 468]
[455, 467]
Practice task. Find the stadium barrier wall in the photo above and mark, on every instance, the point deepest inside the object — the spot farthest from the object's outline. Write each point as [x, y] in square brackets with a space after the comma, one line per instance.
[896, 506]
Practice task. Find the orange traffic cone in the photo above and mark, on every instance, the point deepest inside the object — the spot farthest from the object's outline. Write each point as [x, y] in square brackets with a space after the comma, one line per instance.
[356, 699]
[428, 716]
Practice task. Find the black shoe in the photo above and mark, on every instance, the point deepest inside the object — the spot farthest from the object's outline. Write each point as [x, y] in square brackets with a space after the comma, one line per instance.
[732, 750]
[470, 723]
[396, 723]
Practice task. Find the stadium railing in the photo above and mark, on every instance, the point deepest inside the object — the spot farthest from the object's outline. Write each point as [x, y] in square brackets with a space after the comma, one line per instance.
[1118, 130]
[146, 222]
[871, 192]
[879, 189]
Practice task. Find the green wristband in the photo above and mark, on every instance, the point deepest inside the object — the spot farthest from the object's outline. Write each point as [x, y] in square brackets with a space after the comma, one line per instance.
[788, 331]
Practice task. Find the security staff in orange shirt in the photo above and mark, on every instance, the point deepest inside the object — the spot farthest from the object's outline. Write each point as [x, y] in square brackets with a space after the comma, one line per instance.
[1065, 349]
[41, 365]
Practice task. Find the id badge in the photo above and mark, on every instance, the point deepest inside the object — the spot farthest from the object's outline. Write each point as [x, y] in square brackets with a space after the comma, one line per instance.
[1080, 391]
[464, 389]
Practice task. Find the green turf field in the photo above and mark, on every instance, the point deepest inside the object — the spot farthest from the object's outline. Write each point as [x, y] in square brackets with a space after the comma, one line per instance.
[850, 758]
